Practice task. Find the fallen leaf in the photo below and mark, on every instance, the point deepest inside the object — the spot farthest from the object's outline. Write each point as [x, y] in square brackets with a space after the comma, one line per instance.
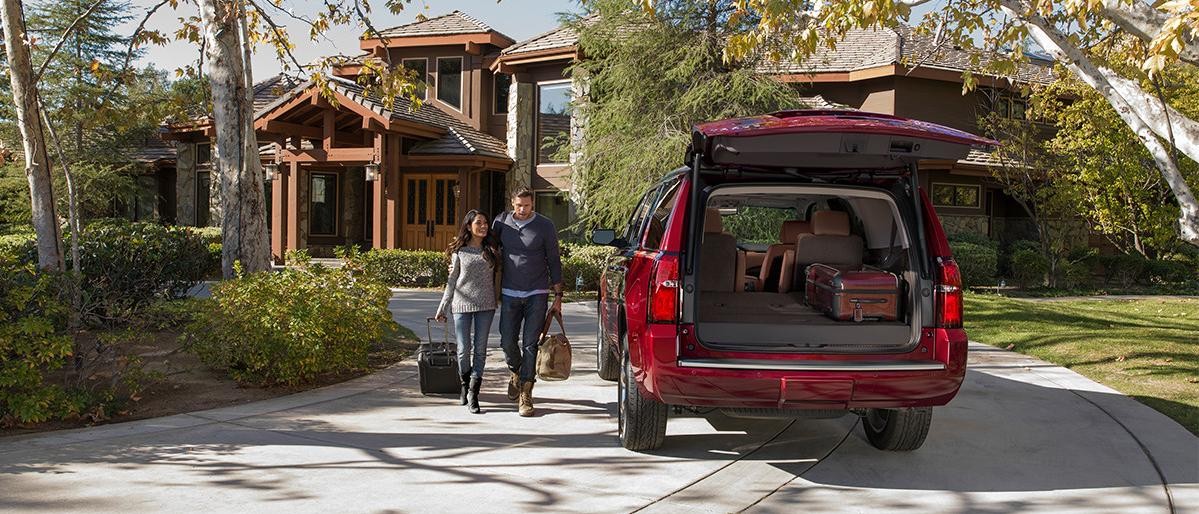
[1120, 358]
[1010, 346]
[1193, 380]
[1169, 359]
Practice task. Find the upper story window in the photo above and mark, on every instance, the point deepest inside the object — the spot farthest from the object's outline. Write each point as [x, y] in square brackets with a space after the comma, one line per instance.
[553, 123]
[956, 195]
[503, 82]
[420, 68]
[203, 153]
[1004, 104]
[449, 81]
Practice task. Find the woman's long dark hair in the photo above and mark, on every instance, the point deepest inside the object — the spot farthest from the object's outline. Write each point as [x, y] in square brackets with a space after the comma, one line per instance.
[490, 247]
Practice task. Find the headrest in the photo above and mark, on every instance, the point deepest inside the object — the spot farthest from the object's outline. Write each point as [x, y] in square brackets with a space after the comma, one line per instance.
[793, 228]
[712, 223]
[830, 223]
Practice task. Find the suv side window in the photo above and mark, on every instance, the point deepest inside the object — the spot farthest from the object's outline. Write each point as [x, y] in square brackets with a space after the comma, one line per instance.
[657, 217]
[637, 221]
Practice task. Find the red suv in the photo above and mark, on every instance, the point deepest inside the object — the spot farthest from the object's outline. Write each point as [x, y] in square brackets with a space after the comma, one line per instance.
[793, 268]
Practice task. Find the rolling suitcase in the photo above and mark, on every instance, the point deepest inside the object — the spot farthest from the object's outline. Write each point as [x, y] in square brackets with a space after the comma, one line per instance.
[845, 295]
[437, 364]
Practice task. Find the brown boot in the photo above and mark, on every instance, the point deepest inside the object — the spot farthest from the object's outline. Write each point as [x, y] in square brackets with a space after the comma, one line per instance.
[525, 407]
[513, 385]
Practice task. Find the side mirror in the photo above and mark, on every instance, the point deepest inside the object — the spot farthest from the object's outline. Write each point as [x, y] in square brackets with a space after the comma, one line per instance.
[607, 237]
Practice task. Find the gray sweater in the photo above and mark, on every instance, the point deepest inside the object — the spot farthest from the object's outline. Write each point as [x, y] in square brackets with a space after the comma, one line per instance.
[531, 258]
[471, 285]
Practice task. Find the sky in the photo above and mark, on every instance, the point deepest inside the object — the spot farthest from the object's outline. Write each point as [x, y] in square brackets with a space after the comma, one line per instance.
[518, 19]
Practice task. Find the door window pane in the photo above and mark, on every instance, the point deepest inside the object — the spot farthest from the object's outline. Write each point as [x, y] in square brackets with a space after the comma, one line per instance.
[449, 81]
[553, 123]
[323, 214]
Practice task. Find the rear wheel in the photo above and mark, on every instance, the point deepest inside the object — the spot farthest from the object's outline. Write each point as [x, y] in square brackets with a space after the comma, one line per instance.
[642, 420]
[607, 366]
[897, 430]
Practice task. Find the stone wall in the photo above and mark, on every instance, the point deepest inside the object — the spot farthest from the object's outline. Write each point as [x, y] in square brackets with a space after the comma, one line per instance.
[957, 224]
[522, 110]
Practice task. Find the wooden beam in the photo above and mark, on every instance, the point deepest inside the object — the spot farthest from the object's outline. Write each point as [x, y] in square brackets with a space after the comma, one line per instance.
[290, 129]
[473, 48]
[330, 129]
[332, 156]
[319, 101]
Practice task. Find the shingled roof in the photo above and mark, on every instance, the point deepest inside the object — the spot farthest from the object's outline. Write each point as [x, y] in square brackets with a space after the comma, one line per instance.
[862, 49]
[456, 22]
[563, 37]
[459, 139]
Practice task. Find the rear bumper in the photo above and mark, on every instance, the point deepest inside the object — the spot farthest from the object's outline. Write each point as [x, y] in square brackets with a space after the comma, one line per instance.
[930, 375]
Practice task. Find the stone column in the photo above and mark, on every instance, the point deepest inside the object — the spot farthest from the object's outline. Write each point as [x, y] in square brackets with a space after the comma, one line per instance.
[185, 183]
[522, 119]
[580, 86]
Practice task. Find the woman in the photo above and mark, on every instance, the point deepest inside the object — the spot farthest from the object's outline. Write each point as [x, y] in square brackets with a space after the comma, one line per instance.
[470, 294]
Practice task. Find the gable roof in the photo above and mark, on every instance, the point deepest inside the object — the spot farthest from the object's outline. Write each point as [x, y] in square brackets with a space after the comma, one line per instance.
[269, 90]
[456, 22]
[458, 139]
[863, 49]
[564, 37]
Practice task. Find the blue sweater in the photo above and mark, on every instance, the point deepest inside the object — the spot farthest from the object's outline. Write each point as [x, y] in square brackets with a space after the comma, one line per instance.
[531, 258]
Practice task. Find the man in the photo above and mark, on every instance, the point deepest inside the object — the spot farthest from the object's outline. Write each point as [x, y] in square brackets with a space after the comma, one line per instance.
[532, 268]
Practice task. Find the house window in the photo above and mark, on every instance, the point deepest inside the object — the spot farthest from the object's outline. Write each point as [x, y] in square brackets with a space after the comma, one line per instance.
[203, 153]
[145, 201]
[956, 195]
[419, 68]
[203, 194]
[449, 81]
[1005, 104]
[503, 82]
[322, 216]
[553, 123]
[554, 206]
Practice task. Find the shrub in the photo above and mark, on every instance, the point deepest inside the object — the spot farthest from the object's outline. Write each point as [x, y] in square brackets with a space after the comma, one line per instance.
[1029, 267]
[292, 326]
[1125, 270]
[126, 266]
[1073, 275]
[1169, 272]
[19, 247]
[583, 261]
[977, 262]
[33, 343]
[406, 268]
[973, 238]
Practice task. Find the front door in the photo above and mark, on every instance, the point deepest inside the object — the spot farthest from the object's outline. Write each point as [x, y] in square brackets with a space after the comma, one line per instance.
[430, 211]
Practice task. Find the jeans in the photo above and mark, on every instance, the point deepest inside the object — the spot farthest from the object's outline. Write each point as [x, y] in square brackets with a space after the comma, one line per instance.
[514, 312]
[478, 345]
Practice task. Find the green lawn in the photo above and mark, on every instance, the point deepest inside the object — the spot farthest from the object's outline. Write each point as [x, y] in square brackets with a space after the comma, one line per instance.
[1147, 349]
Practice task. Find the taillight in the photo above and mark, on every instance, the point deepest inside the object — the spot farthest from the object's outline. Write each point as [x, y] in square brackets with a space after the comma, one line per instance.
[664, 291]
[949, 294]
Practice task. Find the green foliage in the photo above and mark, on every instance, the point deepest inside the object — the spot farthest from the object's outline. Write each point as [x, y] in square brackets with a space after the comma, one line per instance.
[978, 263]
[586, 261]
[128, 265]
[33, 343]
[1123, 270]
[650, 80]
[405, 268]
[293, 326]
[1029, 267]
[14, 195]
[18, 247]
[757, 224]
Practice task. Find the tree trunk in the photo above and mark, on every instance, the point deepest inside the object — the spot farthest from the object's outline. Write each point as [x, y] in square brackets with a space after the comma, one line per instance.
[37, 161]
[243, 200]
[1053, 42]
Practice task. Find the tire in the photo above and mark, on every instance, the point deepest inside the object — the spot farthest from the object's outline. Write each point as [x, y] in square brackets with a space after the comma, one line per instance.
[642, 420]
[607, 366]
[897, 430]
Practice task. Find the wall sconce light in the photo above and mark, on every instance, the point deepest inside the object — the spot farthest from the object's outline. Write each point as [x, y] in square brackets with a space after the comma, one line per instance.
[372, 172]
[269, 171]
[457, 191]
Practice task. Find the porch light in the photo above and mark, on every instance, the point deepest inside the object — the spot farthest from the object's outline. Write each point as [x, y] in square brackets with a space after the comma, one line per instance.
[372, 172]
[269, 171]
[457, 191]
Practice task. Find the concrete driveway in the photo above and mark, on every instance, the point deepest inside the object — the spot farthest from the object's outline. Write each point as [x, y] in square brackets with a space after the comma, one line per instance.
[1023, 436]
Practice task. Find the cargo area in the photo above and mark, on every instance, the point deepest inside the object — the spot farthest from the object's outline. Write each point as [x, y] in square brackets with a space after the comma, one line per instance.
[806, 268]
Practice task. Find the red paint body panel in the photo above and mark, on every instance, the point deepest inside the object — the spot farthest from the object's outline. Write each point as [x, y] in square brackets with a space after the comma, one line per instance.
[854, 122]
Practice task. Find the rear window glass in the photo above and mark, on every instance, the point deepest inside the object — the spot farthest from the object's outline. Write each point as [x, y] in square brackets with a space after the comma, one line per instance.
[756, 225]
[657, 221]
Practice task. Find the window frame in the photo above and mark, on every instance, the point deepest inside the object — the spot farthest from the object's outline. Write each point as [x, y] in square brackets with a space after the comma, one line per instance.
[495, 95]
[336, 189]
[207, 194]
[668, 191]
[424, 79]
[461, 82]
[977, 198]
[207, 162]
[537, 120]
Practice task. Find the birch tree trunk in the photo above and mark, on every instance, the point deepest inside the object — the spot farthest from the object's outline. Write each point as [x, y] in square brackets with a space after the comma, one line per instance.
[243, 200]
[33, 141]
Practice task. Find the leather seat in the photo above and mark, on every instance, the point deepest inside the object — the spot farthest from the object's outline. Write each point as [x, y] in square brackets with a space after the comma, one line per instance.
[772, 265]
[830, 243]
[721, 263]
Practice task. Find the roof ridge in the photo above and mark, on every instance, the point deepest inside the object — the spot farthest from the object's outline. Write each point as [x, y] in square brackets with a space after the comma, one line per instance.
[483, 27]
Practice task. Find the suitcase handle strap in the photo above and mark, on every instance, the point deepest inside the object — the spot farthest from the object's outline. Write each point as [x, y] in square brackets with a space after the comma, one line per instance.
[445, 342]
[554, 313]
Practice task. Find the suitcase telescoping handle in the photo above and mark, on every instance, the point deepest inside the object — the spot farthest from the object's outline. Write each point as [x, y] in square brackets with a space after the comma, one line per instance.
[445, 341]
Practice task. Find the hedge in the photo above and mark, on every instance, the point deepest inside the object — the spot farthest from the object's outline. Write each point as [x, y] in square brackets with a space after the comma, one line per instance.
[406, 268]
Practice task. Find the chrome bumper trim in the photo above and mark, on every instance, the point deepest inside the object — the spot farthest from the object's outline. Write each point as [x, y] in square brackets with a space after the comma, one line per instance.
[783, 365]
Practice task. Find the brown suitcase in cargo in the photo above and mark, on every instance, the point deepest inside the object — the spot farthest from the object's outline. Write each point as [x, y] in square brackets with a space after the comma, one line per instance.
[853, 295]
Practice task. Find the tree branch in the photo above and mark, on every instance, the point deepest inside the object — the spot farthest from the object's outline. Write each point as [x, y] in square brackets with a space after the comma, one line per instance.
[280, 39]
[42, 69]
[1143, 21]
[129, 51]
